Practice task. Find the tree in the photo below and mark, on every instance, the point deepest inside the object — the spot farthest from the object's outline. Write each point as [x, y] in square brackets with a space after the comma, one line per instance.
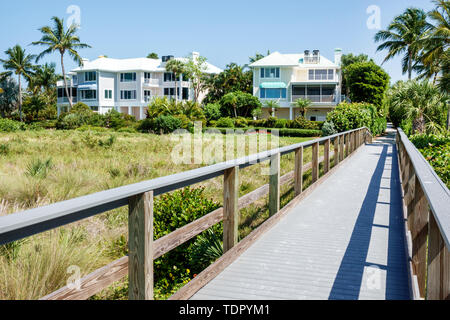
[20, 63]
[273, 106]
[177, 67]
[8, 96]
[303, 105]
[367, 82]
[195, 71]
[258, 56]
[404, 35]
[232, 79]
[152, 56]
[239, 104]
[57, 39]
[44, 78]
[348, 59]
[421, 103]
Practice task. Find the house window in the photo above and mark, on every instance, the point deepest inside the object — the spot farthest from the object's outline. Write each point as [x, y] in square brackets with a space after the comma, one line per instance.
[171, 91]
[128, 77]
[74, 79]
[147, 75]
[88, 94]
[147, 95]
[94, 108]
[273, 93]
[270, 73]
[169, 77]
[128, 94]
[90, 76]
[108, 94]
[185, 94]
[321, 74]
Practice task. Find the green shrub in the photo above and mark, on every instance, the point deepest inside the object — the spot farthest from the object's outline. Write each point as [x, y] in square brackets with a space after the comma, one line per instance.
[225, 123]
[167, 124]
[270, 122]
[328, 129]
[7, 125]
[4, 149]
[281, 123]
[39, 168]
[212, 111]
[422, 141]
[300, 133]
[439, 159]
[173, 211]
[240, 122]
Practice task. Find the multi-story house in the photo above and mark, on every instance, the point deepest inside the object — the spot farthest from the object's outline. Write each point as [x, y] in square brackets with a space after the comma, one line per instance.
[288, 77]
[126, 85]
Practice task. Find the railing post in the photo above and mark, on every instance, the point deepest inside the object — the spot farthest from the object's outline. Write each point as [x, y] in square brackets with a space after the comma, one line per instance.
[341, 147]
[298, 171]
[419, 234]
[230, 208]
[274, 184]
[347, 145]
[336, 151]
[438, 264]
[140, 243]
[315, 162]
[326, 156]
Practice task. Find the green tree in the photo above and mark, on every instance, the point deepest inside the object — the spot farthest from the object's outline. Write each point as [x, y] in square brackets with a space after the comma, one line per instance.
[348, 59]
[258, 56]
[9, 92]
[239, 104]
[195, 70]
[178, 68]
[273, 106]
[404, 35]
[44, 78]
[152, 56]
[367, 82]
[20, 63]
[422, 103]
[232, 79]
[57, 39]
[303, 105]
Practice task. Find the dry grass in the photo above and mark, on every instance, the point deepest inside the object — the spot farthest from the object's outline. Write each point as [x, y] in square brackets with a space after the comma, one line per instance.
[79, 165]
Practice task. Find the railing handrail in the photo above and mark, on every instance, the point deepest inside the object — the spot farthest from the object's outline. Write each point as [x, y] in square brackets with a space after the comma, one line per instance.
[33, 221]
[435, 190]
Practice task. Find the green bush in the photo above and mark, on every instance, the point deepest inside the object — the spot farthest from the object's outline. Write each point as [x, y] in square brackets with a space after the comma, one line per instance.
[328, 129]
[300, 133]
[161, 124]
[7, 125]
[281, 123]
[422, 141]
[240, 122]
[173, 211]
[225, 123]
[212, 111]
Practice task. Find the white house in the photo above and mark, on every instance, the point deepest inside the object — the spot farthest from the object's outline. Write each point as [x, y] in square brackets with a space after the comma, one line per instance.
[288, 77]
[126, 85]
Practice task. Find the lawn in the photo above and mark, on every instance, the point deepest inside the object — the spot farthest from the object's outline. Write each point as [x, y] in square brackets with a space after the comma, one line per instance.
[43, 167]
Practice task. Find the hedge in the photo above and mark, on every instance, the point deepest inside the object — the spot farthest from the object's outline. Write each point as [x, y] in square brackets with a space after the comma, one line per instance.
[282, 132]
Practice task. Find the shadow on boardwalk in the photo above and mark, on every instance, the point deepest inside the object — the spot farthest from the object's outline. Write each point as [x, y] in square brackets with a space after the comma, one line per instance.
[354, 263]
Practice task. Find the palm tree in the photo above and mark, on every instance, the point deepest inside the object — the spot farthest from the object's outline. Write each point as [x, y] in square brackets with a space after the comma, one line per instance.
[20, 63]
[57, 39]
[423, 104]
[231, 99]
[404, 35]
[44, 78]
[303, 105]
[273, 105]
[177, 67]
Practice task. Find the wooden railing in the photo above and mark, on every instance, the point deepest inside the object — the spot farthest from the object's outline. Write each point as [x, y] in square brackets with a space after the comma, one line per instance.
[139, 198]
[426, 203]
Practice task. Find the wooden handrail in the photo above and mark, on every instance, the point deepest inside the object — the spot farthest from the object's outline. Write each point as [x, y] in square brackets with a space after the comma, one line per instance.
[426, 203]
[139, 198]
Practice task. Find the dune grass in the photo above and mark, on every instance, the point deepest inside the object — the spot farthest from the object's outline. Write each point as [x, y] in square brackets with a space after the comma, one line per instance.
[43, 167]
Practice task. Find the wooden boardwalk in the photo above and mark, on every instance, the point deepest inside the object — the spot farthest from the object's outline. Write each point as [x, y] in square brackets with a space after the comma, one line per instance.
[346, 240]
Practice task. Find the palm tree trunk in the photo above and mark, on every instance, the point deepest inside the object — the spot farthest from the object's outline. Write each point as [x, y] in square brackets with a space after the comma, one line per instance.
[176, 87]
[69, 96]
[410, 65]
[419, 125]
[20, 97]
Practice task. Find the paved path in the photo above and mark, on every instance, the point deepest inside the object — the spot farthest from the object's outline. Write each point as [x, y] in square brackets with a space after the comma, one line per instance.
[344, 241]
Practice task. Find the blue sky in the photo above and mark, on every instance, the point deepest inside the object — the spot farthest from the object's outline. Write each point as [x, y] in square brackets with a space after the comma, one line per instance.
[223, 31]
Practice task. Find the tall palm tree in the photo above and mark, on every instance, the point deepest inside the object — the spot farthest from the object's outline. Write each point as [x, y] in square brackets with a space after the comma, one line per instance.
[177, 67]
[44, 78]
[20, 63]
[404, 35]
[303, 105]
[57, 39]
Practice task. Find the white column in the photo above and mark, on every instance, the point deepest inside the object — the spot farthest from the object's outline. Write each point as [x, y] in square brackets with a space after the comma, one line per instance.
[59, 110]
[130, 111]
[141, 113]
[291, 113]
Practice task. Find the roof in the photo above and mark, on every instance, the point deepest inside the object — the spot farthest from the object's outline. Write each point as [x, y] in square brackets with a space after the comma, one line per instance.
[290, 60]
[135, 64]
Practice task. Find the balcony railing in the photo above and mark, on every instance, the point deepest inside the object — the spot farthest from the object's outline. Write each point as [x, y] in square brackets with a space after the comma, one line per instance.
[155, 82]
[66, 100]
[318, 98]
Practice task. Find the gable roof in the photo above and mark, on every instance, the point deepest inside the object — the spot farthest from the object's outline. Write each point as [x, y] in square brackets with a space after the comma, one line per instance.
[290, 60]
[135, 64]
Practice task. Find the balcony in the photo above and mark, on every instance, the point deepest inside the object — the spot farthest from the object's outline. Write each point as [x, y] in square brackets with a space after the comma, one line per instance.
[66, 100]
[152, 82]
[320, 99]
